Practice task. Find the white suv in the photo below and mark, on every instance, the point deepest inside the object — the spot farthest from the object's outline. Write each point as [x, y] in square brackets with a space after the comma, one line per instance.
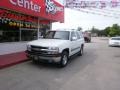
[56, 46]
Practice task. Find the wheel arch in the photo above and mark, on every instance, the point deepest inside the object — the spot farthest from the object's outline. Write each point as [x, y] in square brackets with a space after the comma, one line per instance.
[66, 50]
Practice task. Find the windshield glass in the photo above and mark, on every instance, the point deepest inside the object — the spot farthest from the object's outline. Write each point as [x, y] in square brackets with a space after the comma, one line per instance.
[115, 38]
[64, 35]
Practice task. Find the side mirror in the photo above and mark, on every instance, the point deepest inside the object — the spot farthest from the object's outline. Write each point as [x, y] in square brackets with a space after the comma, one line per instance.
[74, 38]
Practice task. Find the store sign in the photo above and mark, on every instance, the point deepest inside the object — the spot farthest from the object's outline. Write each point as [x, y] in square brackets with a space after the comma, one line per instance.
[45, 9]
[52, 8]
[27, 4]
[20, 17]
[14, 16]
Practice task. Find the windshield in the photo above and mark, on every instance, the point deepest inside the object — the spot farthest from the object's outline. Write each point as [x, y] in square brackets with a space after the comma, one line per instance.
[115, 38]
[64, 35]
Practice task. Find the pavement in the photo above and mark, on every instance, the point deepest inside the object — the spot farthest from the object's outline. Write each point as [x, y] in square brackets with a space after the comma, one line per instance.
[97, 69]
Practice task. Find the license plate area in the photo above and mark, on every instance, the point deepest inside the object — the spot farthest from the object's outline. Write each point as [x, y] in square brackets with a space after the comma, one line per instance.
[116, 43]
[35, 57]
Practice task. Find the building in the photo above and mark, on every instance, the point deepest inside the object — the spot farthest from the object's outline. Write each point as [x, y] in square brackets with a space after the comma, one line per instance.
[25, 20]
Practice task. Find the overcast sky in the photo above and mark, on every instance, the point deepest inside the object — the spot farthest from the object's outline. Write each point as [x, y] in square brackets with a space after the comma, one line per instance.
[75, 19]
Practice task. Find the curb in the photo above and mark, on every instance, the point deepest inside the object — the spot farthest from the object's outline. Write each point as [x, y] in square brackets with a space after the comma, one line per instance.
[8, 60]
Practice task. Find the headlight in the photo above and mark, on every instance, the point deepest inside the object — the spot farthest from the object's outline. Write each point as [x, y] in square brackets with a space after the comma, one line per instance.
[29, 47]
[53, 50]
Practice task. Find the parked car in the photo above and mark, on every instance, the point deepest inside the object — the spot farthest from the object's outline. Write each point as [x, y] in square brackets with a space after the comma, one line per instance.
[57, 46]
[87, 36]
[114, 41]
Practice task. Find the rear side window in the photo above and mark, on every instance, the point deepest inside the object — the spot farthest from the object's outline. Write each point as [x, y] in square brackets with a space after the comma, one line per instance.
[78, 35]
[81, 35]
[73, 34]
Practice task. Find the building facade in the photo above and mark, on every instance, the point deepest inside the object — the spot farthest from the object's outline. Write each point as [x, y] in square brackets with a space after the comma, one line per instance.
[25, 20]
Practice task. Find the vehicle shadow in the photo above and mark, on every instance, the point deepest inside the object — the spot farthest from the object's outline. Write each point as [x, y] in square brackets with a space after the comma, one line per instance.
[74, 62]
[60, 76]
[54, 65]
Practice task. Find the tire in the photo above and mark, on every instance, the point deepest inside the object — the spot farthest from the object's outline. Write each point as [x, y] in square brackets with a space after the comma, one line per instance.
[34, 62]
[88, 40]
[81, 51]
[64, 59]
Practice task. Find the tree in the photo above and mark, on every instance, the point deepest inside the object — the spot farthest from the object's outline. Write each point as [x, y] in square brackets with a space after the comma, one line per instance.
[79, 28]
[106, 31]
[114, 30]
[95, 31]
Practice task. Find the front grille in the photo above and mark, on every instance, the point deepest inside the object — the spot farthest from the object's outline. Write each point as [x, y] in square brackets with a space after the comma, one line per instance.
[38, 49]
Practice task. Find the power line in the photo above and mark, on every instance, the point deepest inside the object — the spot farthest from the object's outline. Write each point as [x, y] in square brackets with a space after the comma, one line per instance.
[104, 11]
[96, 13]
[97, 7]
[116, 11]
[93, 4]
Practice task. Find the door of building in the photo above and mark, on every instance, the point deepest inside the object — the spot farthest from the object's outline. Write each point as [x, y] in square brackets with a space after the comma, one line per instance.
[27, 34]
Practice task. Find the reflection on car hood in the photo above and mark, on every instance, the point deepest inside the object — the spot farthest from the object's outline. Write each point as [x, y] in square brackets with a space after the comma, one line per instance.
[47, 42]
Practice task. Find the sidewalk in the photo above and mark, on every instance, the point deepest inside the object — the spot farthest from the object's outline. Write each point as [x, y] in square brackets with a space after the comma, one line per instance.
[12, 59]
[12, 47]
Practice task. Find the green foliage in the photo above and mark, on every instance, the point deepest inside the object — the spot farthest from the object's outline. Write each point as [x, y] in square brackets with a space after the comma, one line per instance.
[96, 31]
[79, 28]
[114, 30]
[108, 31]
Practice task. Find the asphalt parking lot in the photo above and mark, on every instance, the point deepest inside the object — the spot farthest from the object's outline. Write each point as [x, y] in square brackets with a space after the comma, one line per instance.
[97, 69]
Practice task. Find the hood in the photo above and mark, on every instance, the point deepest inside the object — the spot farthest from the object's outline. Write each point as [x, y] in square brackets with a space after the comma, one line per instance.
[47, 42]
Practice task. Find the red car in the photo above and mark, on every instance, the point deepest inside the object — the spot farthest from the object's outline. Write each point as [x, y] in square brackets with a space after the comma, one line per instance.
[87, 36]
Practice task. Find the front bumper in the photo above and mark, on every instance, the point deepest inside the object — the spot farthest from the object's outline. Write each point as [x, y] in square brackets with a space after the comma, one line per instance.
[114, 44]
[44, 57]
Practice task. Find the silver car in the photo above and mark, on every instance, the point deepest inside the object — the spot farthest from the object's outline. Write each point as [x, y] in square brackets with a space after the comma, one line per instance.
[114, 41]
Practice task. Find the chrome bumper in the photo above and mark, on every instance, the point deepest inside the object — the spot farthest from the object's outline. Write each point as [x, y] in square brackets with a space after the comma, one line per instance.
[44, 58]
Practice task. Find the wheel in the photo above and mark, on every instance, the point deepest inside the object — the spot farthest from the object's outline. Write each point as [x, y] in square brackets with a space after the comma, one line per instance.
[64, 59]
[89, 40]
[34, 61]
[81, 51]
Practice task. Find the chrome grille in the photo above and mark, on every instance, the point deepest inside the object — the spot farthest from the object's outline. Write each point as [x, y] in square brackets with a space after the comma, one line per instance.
[39, 49]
